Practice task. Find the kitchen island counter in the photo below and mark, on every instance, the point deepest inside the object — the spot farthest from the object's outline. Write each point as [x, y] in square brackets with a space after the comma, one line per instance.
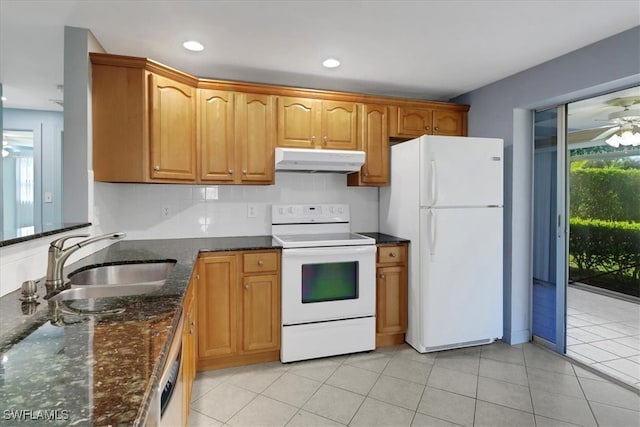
[98, 369]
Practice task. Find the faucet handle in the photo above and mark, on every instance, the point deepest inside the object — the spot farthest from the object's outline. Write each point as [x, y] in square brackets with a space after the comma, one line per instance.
[59, 243]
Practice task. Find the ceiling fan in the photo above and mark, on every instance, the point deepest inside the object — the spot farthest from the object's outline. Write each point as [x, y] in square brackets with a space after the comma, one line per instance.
[624, 128]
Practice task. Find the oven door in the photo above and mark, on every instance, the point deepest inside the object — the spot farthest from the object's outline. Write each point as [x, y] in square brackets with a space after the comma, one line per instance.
[328, 283]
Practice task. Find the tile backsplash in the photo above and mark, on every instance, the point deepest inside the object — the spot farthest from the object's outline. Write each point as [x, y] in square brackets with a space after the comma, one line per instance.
[149, 211]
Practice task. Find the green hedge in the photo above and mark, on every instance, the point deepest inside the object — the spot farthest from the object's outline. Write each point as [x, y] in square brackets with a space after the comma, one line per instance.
[605, 193]
[602, 246]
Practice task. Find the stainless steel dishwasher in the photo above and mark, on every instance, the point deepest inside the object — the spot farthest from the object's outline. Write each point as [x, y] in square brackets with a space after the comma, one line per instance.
[166, 400]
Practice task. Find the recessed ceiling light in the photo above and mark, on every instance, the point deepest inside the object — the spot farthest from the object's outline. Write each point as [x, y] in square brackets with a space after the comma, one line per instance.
[193, 46]
[331, 63]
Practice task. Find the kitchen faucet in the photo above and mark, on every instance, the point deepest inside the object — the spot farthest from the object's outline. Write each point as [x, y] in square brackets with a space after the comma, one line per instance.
[58, 256]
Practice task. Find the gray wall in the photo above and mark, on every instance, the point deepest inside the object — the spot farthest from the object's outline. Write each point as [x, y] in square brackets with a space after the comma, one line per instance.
[504, 109]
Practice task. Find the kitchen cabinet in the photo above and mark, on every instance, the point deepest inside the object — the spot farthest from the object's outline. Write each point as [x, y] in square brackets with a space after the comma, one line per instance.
[236, 137]
[409, 121]
[188, 347]
[391, 294]
[238, 308]
[315, 123]
[373, 139]
[172, 129]
[144, 126]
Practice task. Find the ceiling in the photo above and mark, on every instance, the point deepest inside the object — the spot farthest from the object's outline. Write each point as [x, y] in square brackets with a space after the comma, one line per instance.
[422, 49]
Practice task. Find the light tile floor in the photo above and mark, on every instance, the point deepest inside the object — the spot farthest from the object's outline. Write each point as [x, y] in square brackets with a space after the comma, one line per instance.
[604, 333]
[492, 385]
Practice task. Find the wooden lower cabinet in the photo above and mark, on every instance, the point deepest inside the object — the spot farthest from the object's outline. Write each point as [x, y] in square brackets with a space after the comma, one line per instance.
[238, 300]
[391, 294]
[188, 347]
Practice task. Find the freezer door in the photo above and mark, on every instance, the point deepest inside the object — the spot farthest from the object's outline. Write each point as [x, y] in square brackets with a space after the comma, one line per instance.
[461, 275]
[460, 171]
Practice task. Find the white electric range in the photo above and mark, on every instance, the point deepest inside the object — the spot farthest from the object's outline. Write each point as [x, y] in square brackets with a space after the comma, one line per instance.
[328, 282]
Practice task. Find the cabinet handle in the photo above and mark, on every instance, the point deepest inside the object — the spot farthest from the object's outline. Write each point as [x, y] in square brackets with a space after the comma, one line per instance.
[230, 171]
[260, 263]
[244, 171]
[381, 276]
[392, 254]
[427, 127]
[246, 287]
[156, 168]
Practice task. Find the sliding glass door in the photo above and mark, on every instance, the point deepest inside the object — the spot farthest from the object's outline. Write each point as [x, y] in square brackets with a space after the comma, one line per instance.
[549, 229]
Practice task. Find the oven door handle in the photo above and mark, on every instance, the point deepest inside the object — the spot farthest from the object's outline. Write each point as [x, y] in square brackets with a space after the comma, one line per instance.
[333, 250]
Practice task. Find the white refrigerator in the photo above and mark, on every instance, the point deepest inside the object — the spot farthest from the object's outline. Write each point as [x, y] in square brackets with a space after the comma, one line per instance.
[446, 196]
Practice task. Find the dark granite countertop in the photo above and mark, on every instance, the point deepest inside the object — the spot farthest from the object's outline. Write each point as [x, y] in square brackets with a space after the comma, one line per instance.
[15, 236]
[99, 369]
[382, 238]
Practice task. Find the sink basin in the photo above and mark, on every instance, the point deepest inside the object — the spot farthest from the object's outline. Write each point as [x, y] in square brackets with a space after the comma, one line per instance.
[151, 273]
[104, 291]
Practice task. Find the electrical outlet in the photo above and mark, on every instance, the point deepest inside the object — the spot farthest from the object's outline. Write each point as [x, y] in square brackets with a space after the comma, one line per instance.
[48, 197]
[251, 211]
[165, 212]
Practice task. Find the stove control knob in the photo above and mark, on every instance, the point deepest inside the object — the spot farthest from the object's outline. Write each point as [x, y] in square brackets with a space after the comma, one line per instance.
[332, 209]
[292, 210]
[340, 210]
[281, 211]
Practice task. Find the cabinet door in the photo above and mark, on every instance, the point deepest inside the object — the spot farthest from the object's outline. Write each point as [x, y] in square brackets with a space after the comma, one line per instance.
[216, 138]
[260, 313]
[217, 306]
[255, 136]
[172, 125]
[339, 125]
[414, 121]
[447, 123]
[298, 122]
[375, 142]
[188, 348]
[391, 299]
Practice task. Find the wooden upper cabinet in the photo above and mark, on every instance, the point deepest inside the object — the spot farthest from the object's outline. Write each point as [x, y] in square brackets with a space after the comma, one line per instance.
[414, 122]
[172, 125]
[312, 123]
[448, 123]
[298, 122]
[339, 125]
[255, 137]
[374, 140]
[236, 138]
[216, 135]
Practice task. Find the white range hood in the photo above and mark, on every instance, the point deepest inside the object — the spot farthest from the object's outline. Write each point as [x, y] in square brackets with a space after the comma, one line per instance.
[310, 160]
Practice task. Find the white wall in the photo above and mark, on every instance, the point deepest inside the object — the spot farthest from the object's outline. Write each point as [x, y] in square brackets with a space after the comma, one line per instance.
[136, 208]
[504, 109]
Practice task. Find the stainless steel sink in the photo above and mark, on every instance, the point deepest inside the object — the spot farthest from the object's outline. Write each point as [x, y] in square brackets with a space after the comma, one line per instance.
[103, 291]
[136, 275]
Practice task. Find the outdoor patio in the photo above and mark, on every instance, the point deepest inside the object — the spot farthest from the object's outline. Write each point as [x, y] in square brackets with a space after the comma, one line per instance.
[604, 332]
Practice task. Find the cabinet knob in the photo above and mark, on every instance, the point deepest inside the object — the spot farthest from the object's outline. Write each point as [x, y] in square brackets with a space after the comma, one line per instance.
[246, 287]
[230, 171]
[313, 138]
[325, 139]
[392, 254]
[381, 276]
[427, 127]
[366, 173]
[260, 263]
[435, 128]
[244, 171]
[156, 168]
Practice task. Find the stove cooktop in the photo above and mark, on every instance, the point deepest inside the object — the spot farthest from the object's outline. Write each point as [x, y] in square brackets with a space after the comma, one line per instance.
[322, 239]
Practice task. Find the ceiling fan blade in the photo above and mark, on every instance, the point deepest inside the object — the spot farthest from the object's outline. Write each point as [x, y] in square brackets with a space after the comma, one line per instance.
[606, 133]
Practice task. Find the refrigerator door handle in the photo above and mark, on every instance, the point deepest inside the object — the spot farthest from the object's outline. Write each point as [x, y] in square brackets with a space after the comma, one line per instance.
[432, 232]
[434, 186]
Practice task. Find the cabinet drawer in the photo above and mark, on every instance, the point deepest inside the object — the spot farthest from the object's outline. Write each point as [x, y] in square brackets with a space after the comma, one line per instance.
[392, 254]
[259, 262]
